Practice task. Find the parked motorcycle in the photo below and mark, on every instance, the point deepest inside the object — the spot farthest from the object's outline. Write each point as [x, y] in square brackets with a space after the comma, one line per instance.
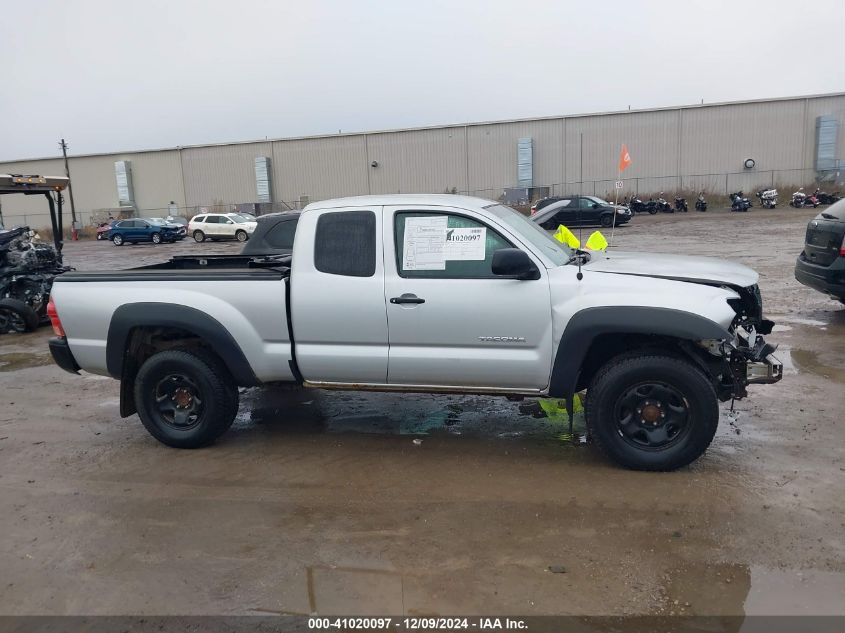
[663, 205]
[681, 205]
[701, 203]
[768, 198]
[801, 199]
[739, 202]
[638, 206]
[827, 198]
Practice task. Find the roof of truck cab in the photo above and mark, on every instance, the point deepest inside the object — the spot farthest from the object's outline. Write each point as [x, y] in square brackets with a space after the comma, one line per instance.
[426, 199]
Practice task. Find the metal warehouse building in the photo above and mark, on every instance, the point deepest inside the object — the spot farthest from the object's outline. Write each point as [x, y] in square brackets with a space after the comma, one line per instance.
[713, 147]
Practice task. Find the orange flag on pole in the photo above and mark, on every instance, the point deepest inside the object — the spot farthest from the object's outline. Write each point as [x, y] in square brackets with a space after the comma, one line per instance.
[624, 159]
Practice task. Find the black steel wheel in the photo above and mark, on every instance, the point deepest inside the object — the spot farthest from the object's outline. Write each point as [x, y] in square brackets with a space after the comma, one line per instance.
[651, 411]
[16, 317]
[651, 415]
[185, 398]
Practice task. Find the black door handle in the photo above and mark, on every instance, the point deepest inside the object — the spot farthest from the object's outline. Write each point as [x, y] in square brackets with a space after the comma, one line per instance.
[407, 298]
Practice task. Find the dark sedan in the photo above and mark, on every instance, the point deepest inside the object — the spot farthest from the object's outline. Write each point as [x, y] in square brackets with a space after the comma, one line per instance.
[580, 211]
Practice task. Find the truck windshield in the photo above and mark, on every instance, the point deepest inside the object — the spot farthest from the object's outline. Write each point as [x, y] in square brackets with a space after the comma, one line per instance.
[532, 233]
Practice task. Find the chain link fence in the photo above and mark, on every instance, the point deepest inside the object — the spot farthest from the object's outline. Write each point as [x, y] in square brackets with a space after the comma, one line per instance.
[715, 186]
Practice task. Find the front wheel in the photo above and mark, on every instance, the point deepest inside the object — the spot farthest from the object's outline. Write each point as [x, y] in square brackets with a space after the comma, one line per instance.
[199, 236]
[156, 238]
[185, 399]
[606, 221]
[651, 412]
[241, 236]
[118, 240]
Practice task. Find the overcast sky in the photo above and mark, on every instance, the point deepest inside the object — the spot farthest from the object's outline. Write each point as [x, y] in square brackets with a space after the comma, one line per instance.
[111, 76]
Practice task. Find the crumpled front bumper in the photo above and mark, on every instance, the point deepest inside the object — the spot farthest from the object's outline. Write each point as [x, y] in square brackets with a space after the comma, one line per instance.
[753, 359]
[765, 372]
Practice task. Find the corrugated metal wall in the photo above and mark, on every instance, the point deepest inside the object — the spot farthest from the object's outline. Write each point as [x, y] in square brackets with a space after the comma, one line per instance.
[696, 147]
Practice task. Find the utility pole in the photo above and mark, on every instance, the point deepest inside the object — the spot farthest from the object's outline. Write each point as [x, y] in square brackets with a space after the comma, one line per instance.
[73, 229]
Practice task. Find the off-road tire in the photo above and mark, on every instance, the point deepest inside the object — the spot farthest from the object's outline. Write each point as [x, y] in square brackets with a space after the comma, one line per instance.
[212, 383]
[241, 236]
[625, 372]
[117, 240]
[27, 319]
[199, 236]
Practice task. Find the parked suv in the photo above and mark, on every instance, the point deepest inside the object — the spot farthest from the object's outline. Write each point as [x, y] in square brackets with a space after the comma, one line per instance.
[821, 265]
[221, 226]
[137, 230]
[580, 210]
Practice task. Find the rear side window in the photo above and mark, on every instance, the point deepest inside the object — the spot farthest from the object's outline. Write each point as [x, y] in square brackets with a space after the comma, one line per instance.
[281, 235]
[212, 219]
[200, 219]
[345, 243]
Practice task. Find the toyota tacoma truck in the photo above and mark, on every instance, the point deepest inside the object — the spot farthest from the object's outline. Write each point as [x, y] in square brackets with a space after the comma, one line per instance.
[427, 294]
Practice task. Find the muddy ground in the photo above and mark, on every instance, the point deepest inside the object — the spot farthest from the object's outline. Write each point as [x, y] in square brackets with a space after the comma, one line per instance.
[321, 502]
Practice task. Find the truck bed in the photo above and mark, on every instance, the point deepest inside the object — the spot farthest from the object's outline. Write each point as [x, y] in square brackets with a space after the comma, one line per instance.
[253, 310]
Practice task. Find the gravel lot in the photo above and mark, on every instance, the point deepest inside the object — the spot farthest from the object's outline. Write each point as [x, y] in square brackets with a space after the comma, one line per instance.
[320, 501]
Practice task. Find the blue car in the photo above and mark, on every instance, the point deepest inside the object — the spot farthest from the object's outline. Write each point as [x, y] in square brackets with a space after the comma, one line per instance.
[134, 231]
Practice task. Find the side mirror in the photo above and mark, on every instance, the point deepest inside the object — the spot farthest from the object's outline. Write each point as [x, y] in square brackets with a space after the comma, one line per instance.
[596, 205]
[514, 264]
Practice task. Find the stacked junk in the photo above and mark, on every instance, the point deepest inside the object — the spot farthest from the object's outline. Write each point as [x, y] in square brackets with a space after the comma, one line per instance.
[27, 269]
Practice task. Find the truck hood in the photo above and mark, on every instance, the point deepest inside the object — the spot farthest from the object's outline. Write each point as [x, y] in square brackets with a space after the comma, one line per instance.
[677, 267]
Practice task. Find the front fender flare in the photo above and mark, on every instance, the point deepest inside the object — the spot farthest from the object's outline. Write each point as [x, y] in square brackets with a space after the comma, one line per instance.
[589, 323]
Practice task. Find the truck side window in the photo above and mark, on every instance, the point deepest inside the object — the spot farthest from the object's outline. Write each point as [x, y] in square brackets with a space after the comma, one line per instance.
[345, 243]
[474, 264]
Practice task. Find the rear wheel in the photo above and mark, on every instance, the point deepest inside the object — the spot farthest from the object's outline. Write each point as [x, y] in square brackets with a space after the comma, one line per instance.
[118, 240]
[185, 398]
[199, 236]
[241, 235]
[16, 316]
[651, 412]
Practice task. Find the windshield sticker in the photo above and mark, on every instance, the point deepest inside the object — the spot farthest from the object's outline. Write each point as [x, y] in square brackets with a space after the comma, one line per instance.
[466, 244]
[424, 245]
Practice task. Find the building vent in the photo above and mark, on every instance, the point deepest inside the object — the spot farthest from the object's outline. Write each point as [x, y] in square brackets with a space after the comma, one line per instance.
[827, 129]
[263, 186]
[525, 162]
[123, 177]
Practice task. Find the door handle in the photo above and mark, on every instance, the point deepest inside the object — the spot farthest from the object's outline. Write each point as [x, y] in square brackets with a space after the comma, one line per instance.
[407, 298]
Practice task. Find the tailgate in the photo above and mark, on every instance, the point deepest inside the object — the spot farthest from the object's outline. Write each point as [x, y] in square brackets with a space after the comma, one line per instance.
[823, 241]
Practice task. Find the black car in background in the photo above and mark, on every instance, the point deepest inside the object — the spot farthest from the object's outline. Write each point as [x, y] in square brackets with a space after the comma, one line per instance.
[580, 211]
[821, 265]
[273, 235]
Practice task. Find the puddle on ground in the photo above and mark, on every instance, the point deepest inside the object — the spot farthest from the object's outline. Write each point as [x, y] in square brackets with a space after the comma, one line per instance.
[20, 360]
[315, 411]
[735, 589]
[808, 361]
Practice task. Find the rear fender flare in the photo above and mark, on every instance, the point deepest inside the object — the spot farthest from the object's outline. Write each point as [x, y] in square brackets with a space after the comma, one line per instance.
[589, 323]
[133, 315]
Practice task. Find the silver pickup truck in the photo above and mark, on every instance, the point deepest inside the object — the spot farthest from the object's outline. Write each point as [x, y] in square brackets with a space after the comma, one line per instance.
[427, 293]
